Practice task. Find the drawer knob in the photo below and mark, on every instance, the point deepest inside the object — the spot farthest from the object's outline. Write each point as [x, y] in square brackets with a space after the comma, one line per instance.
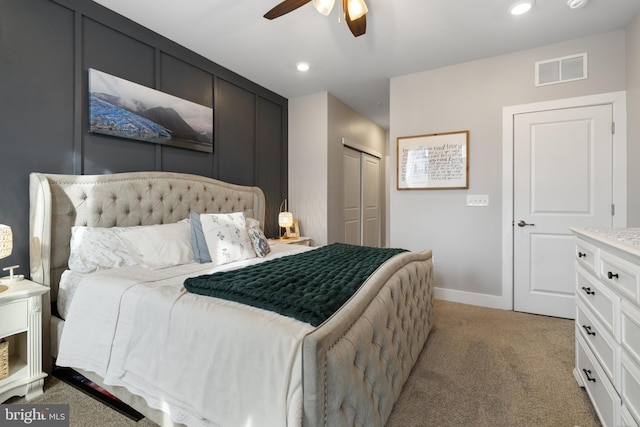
[582, 255]
[587, 372]
[588, 291]
[611, 275]
[589, 331]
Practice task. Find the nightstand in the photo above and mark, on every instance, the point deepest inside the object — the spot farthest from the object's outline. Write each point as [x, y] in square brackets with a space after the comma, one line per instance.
[304, 241]
[21, 326]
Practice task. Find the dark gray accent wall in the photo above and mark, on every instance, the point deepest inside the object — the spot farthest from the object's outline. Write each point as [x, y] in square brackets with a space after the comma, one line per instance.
[46, 49]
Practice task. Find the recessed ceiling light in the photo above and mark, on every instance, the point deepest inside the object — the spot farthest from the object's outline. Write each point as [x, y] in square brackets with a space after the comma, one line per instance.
[576, 4]
[520, 7]
[302, 66]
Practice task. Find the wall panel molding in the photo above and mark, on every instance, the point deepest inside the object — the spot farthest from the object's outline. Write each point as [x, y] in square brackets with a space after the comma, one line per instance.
[48, 46]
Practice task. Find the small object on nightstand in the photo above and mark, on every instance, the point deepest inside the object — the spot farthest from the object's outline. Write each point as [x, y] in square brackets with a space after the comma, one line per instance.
[11, 278]
[6, 247]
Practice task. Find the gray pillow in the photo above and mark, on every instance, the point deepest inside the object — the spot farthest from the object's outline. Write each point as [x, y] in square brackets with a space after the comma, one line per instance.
[198, 242]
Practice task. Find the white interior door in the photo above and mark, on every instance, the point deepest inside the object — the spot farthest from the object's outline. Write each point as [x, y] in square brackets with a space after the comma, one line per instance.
[352, 197]
[562, 178]
[370, 200]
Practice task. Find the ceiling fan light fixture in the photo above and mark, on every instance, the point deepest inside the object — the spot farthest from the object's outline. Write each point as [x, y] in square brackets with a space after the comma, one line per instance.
[520, 7]
[576, 4]
[324, 6]
[357, 9]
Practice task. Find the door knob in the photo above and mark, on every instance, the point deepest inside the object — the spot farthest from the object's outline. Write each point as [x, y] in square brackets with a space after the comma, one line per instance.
[522, 223]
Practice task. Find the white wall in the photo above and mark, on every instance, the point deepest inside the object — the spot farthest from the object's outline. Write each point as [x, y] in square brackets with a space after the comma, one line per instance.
[317, 124]
[633, 120]
[466, 241]
[308, 165]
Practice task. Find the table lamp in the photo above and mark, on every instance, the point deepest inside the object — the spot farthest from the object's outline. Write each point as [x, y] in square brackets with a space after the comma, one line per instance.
[6, 247]
[285, 218]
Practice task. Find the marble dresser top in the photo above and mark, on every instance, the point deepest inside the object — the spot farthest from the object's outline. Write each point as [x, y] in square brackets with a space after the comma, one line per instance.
[629, 236]
[624, 239]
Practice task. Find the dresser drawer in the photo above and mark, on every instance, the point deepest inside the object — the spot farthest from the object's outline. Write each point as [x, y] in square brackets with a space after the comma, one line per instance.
[621, 275]
[630, 330]
[630, 386]
[603, 395]
[626, 419]
[13, 318]
[602, 302]
[586, 256]
[604, 347]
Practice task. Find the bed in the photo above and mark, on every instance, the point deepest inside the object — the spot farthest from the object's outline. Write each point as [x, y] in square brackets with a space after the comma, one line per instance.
[353, 365]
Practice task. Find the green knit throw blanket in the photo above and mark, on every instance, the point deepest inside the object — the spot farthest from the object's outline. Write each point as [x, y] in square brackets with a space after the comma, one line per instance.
[309, 286]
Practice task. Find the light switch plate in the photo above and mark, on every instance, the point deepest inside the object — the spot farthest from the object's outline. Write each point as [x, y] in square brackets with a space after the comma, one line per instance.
[478, 200]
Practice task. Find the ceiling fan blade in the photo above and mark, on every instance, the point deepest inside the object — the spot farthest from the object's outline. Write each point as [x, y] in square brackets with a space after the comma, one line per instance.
[285, 7]
[357, 26]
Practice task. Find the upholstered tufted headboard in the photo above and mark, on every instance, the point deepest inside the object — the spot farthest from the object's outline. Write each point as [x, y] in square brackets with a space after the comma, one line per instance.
[58, 202]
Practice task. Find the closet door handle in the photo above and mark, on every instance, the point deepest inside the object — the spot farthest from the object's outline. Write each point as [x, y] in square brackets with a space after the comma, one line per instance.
[611, 275]
[587, 372]
[589, 331]
[588, 291]
[523, 224]
[582, 255]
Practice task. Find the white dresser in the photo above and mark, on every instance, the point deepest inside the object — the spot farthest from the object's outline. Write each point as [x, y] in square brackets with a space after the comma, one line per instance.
[608, 322]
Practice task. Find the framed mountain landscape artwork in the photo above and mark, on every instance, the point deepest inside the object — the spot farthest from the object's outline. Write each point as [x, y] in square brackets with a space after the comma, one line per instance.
[121, 108]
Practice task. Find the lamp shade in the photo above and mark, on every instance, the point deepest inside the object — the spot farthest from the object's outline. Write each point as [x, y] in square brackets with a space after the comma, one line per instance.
[324, 6]
[285, 219]
[6, 241]
[357, 8]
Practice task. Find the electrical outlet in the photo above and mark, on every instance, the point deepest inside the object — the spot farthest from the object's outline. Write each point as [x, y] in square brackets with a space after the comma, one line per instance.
[478, 200]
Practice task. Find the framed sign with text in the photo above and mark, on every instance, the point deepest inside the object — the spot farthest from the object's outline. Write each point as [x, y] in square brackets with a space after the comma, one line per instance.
[433, 162]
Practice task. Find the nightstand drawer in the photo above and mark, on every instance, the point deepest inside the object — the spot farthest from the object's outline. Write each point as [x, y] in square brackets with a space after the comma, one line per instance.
[13, 318]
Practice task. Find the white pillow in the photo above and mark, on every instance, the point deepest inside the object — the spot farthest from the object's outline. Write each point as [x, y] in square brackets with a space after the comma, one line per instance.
[160, 246]
[227, 238]
[97, 248]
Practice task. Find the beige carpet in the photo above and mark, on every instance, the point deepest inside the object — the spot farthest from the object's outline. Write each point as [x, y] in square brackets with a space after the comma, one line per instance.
[486, 367]
[481, 367]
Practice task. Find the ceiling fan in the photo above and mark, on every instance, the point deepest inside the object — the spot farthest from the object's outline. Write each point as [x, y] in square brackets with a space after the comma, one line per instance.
[355, 12]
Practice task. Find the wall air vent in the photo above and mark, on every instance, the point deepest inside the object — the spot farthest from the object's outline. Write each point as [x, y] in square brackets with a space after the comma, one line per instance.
[561, 70]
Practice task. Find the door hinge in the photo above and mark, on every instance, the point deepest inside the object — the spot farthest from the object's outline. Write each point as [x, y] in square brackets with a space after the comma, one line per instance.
[613, 210]
[613, 128]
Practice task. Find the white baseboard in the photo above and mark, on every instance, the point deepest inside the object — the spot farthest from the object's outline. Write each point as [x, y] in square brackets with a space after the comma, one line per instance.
[482, 300]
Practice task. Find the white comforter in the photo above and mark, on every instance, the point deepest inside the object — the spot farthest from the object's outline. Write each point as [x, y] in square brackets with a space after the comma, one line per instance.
[203, 360]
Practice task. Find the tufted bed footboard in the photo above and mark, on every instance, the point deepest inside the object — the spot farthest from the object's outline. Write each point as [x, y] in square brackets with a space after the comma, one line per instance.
[354, 365]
